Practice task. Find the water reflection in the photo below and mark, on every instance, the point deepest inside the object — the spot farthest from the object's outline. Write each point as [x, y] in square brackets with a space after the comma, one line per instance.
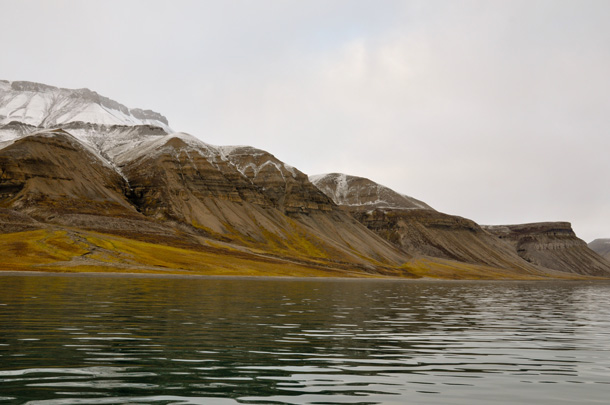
[113, 340]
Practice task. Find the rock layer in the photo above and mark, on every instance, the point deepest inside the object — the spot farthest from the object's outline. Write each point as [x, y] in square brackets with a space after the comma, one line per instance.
[285, 186]
[553, 245]
[431, 233]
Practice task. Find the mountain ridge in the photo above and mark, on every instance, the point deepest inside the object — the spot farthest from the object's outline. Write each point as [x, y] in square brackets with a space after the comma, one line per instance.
[365, 194]
[46, 106]
[87, 183]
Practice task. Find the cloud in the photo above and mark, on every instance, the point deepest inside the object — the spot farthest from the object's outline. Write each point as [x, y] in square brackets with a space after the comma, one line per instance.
[497, 111]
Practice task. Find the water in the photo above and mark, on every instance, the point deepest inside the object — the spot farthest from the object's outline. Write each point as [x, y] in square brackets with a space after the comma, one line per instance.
[115, 340]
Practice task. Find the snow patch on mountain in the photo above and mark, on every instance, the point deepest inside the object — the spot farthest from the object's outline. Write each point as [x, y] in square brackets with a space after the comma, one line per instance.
[248, 159]
[48, 106]
[362, 193]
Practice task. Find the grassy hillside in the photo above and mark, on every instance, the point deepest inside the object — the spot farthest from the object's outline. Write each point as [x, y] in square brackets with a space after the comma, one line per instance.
[67, 250]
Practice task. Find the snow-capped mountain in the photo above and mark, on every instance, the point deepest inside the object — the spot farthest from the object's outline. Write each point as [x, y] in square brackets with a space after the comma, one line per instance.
[75, 161]
[363, 194]
[46, 106]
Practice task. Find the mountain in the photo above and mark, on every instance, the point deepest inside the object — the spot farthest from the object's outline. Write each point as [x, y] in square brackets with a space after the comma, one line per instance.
[361, 194]
[416, 228]
[109, 170]
[88, 184]
[267, 205]
[420, 231]
[52, 170]
[601, 247]
[553, 245]
[46, 106]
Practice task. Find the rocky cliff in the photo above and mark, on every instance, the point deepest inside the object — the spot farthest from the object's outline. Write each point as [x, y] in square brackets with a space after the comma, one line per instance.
[553, 245]
[140, 182]
[424, 232]
[285, 186]
[53, 171]
[434, 234]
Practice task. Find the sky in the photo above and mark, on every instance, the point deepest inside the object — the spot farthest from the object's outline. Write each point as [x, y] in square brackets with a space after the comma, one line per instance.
[497, 111]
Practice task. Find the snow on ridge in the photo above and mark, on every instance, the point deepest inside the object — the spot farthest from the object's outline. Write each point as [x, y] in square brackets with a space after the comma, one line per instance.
[228, 149]
[356, 191]
[47, 106]
[232, 153]
[52, 133]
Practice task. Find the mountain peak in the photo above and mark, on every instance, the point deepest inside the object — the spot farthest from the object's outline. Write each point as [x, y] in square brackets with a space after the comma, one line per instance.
[48, 106]
[363, 194]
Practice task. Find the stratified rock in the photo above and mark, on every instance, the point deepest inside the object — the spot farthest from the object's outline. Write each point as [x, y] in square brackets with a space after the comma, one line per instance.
[53, 171]
[178, 177]
[286, 187]
[431, 233]
[553, 245]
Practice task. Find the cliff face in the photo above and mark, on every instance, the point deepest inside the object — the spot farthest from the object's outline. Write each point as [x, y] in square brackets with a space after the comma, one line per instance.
[601, 247]
[285, 186]
[553, 245]
[229, 197]
[532, 248]
[51, 170]
[434, 234]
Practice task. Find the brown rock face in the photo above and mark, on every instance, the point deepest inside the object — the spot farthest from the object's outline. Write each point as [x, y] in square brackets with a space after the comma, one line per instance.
[286, 187]
[52, 171]
[179, 178]
[601, 247]
[431, 233]
[553, 245]
[173, 180]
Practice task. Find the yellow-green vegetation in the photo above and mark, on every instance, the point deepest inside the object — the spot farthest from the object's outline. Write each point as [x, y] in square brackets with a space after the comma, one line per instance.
[452, 270]
[66, 250]
[72, 251]
[37, 247]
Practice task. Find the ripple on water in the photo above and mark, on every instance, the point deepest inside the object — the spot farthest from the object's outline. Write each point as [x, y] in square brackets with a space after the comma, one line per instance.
[231, 341]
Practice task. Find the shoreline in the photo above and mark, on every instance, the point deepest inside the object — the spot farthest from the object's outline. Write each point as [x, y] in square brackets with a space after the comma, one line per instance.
[31, 273]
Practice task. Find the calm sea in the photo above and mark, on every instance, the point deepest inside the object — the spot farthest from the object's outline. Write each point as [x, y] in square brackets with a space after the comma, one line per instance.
[146, 340]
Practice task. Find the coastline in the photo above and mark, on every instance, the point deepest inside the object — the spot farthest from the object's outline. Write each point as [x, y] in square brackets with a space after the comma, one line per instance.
[31, 273]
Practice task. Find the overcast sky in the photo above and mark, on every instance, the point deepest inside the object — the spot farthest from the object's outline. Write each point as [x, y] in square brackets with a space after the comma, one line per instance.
[498, 111]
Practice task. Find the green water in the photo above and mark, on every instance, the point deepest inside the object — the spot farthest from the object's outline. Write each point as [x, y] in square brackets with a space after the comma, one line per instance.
[115, 340]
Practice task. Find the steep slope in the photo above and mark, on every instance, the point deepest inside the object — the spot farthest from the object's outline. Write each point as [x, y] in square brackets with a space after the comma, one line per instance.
[286, 187]
[47, 106]
[53, 170]
[434, 234]
[180, 178]
[361, 194]
[50, 177]
[601, 247]
[553, 245]
[104, 125]
[415, 227]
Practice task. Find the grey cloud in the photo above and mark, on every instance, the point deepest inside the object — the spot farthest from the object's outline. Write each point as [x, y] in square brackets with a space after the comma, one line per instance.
[496, 111]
